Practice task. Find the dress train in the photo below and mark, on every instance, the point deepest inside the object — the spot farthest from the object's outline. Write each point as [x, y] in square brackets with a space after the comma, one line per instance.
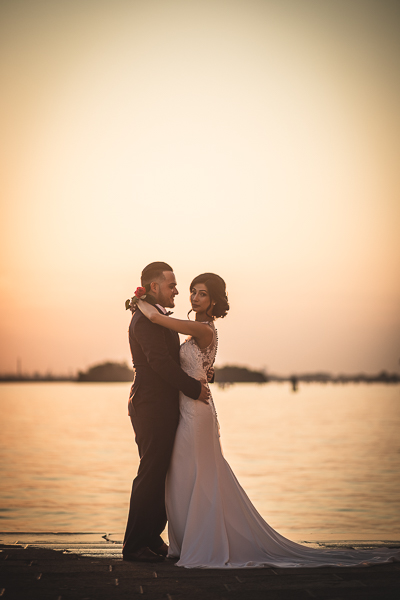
[211, 521]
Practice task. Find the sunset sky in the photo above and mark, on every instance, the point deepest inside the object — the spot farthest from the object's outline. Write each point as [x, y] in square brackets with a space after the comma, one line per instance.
[258, 139]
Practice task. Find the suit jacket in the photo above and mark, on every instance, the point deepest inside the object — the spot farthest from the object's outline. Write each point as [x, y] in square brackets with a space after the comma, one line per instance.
[158, 375]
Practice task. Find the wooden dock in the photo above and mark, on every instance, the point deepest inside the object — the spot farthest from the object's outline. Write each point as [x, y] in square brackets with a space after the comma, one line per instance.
[89, 567]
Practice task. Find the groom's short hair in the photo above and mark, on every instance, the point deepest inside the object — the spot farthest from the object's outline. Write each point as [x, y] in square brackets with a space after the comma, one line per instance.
[153, 271]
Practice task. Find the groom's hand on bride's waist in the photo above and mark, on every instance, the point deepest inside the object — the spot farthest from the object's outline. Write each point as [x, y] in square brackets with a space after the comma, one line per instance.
[204, 394]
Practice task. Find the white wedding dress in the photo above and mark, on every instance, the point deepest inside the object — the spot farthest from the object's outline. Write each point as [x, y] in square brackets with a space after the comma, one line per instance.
[211, 521]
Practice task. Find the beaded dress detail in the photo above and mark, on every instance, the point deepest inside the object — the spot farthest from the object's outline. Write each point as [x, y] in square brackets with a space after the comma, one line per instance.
[211, 521]
[196, 362]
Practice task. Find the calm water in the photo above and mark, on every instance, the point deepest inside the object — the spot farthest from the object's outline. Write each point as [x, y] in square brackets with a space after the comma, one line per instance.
[324, 460]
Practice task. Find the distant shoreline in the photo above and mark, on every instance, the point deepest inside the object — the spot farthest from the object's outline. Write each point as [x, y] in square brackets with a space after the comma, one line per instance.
[112, 372]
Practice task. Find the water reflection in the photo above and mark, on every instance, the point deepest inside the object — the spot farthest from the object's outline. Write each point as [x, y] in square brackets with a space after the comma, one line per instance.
[325, 459]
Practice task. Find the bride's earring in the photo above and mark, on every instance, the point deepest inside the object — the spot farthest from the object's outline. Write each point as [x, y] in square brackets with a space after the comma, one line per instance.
[211, 311]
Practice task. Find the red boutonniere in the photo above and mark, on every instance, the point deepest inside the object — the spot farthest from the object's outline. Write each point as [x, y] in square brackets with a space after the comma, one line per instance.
[140, 294]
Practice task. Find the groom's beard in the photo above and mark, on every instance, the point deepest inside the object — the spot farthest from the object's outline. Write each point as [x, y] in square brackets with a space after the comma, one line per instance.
[166, 303]
[170, 303]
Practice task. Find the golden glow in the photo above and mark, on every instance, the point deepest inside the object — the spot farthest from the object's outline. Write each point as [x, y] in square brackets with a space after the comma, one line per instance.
[258, 140]
[334, 448]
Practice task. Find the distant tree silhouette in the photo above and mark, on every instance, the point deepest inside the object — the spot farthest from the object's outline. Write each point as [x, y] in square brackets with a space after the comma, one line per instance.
[233, 374]
[107, 372]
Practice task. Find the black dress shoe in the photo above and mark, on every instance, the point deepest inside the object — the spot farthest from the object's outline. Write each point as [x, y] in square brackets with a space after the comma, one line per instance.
[142, 555]
[163, 549]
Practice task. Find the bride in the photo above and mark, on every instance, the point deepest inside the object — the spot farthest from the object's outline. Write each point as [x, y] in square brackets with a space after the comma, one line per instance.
[211, 521]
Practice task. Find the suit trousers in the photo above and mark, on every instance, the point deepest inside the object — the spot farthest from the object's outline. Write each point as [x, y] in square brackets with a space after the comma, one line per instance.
[147, 516]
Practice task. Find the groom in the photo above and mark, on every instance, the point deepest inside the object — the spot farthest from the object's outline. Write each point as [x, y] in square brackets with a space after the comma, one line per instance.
[154, 412]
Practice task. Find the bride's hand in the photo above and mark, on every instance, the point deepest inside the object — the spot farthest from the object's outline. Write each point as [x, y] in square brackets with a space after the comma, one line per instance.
[210, 375]
[147, 309]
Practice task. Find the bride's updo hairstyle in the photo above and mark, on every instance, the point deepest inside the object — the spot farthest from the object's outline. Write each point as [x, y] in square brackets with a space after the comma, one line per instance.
[217, 290]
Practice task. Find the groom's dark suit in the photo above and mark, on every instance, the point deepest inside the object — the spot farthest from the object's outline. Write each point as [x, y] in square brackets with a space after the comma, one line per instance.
[154, 412]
